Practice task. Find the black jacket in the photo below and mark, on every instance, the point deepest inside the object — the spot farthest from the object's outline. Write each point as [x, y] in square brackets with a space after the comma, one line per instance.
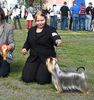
[41, 44]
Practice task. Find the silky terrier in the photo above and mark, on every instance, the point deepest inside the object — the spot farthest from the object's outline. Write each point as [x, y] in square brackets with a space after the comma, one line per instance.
[66, 80]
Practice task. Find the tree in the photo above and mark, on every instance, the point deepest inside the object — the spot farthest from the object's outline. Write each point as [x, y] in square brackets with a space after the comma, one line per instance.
[30, 2]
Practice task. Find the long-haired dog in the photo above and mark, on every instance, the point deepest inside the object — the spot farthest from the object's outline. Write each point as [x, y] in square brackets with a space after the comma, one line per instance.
[66, 80]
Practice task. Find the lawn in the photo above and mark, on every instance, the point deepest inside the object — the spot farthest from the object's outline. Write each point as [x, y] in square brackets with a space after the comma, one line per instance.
[76, 50]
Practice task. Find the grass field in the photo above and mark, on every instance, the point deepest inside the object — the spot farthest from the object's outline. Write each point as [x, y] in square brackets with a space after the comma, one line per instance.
[77, 50]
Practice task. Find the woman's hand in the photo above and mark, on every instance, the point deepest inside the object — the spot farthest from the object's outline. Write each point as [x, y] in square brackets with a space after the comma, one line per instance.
[24, 51]
[58, 42]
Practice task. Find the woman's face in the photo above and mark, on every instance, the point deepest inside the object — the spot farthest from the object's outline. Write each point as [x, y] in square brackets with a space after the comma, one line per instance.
[40, 21]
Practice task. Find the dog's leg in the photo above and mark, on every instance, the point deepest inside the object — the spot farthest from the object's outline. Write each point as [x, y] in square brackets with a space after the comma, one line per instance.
[84, 87]
[51, 65]
[57, 82]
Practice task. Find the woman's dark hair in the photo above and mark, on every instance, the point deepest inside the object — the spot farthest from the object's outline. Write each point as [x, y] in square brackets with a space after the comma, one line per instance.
[2, 14]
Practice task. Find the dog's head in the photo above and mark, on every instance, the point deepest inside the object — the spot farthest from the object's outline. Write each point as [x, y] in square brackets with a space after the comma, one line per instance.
[51, 62]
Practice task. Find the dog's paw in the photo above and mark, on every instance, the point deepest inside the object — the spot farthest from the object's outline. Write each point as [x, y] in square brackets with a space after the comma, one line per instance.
[59, 91]
[86, 93]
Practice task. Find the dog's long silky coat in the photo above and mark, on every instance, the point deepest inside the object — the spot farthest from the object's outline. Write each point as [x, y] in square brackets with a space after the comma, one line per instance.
[66, 80]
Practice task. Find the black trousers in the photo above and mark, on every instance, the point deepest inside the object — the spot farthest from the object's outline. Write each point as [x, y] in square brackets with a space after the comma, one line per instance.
[4, 67]
[70, 24]
[36, 71]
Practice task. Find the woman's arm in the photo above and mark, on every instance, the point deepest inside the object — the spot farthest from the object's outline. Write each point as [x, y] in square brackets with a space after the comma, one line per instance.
[11, 42]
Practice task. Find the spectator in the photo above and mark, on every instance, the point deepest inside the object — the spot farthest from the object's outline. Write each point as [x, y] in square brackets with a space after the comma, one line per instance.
[64, 16]
[23, 11]
[82, 16]
[53, 16]
[70, 22]
[6, 13]
[75, 15]
[16, 17]
[88, 17]
[92, 13]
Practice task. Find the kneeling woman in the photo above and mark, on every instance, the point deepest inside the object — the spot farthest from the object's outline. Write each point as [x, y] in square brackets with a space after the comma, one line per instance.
[40, 41]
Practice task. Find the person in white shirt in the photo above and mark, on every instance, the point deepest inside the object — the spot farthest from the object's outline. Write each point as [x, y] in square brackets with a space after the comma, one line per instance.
[16, 16]
[53, 16]
[22, 11]
[6, 14]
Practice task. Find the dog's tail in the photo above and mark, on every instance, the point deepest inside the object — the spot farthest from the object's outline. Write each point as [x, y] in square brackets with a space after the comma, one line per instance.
[80, 68]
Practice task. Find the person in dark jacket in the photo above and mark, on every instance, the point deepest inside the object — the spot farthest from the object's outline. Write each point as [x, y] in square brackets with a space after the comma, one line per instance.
[40, 41]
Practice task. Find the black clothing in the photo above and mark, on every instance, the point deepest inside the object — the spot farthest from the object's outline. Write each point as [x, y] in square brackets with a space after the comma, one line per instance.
[88, 9]
[36, 71]
[92, 13]
[4, 67]
[64, 11]
[41, 47]
[70, 23]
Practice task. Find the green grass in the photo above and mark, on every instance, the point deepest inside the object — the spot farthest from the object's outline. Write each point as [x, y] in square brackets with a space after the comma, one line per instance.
[77, 50]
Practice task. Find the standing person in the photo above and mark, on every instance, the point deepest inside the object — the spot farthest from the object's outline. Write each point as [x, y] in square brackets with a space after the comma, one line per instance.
[6, 38]
[64, 16]
[75, 15]
[16, 17]
[53, 16]
[6, 13]
[88, 17]
[29, 17]
[23, 11]
[40, 41]
[70, 22]
[92, 13]
[82, 16]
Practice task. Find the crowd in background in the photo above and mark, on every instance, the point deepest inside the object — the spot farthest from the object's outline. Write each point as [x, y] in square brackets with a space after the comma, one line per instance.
[74, 18]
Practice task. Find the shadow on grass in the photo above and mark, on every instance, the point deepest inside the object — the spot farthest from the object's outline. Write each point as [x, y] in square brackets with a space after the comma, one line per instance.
[16, 67]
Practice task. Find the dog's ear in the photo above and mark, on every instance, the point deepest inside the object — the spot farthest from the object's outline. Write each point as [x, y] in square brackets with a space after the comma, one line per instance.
[51, 59]
[48, 60]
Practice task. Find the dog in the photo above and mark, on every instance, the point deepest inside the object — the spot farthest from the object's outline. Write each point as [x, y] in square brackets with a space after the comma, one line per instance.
[66, 80]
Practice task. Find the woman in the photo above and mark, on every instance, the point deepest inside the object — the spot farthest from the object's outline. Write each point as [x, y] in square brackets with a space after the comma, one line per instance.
[6, 38]
[40, 40]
